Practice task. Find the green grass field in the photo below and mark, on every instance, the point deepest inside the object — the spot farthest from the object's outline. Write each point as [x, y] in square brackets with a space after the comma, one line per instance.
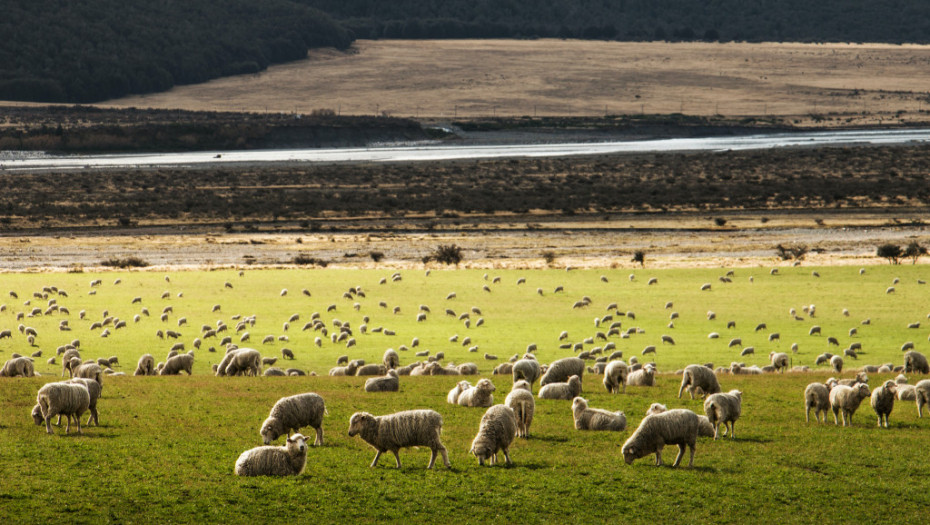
[166, 445]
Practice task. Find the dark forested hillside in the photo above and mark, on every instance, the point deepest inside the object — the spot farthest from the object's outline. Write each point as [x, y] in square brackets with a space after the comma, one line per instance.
[743, 20]
[90, 50]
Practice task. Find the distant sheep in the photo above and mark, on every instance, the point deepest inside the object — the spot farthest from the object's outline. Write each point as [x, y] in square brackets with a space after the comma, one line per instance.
[723, 408]
[392, 432]
[922, 395]
[698, 376]
[674, 427]
[916, 362]
[615, 376]
[779, 360]
[390, 359]
[287, 460]
[241, 361]
[563, 391]
[68, 399]
[521, 400]
[846, 399]
[596, 418]
[527, 370]
[145, 366]
[480, 395]
[388, 383]
[293, 413]
[837, 363]
[561, 369]
[883, 401]
[176, 364]
[496, 432]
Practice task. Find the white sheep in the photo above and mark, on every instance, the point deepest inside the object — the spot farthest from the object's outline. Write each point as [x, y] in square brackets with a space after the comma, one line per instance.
[176, 364]
[837, 363]
[779, 360]
[696, 376]
[94, 389]
[453, 396]
[724, 408]
[145, 366]
[561, 369]
[705, 429]
[240, 361]
[615, 376]
[496, 432]
[68, 399]
[286, 460]
[922, 395]
[916, 362]
[883, 401]
[674, 427]
[388, 383]
[410, 428]
[391, 360]
[479, 395]
[596, 418]
[644, 376]
[847, 399]
[521, 400]
[526, 369]
[817, 396]
[293, 413]
[18, 366]
[564, 391]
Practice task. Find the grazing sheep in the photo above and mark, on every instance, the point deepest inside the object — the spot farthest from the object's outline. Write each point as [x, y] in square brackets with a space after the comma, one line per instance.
[922, 395]
[906, 392]
[615, 376]
[145, 366]
[674, 427]
[68, 399]
[916, 362]
[496, 432]
[561, 369]
[723, 408]
[503, 369]
[596, 418]
[453, 396]
[644, 376]
[388, 383]
[241, 361]
[287, 460]
[749, 350]
[705, 429]
[94, 389]
[563, 391]
[479, 395]
[779, 360]
[814, 330]
[18, 366]
[847, 399]
[287, 353]
[817, 396]
[392, 432]
[391, 360]
[883, 401]
[293, 413]
[526, 369]
[736, 341]
[89, 370]
[521, 400]
[696, 376]
[176, 364]
[837, 363]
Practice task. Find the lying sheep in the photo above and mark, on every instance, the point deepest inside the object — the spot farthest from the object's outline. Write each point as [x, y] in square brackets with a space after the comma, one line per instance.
[348, 370]
[615, 376]
[526, 369]
[274, 372]
[68, 399]
[817, 396]
[916, 362]
[479, 395]
[922, 395]
[496, 432]
[293, 413]
[883, 401]
[287, 460]
[371, 370]
[145, 366]
[847, 399]
[723, 408]
[596, 418]
[521, 400]
[468, 369]
[562, 369]
[564, 391]
[388, 383]
[698, 376]
[453, 396]
[674, 427]
[410, 428]
[176, 364]
[644, 376]
[503, 369]
[18, 366]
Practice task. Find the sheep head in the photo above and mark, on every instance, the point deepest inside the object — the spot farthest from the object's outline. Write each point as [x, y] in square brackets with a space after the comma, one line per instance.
[37, 415]
[297, 443]
[359, 422]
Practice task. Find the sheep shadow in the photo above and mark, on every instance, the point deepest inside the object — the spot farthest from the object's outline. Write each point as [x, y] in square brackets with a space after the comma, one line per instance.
[754, 439]
[547, 439]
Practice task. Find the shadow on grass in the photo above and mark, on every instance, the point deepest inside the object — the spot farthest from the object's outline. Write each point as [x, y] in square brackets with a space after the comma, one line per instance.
[547, 439]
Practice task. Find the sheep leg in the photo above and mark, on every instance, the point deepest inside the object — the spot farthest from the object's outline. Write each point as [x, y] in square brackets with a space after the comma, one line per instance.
[507, 456]
[77, 420]
[807, 415]
[836, 419]
[397, 458]
[682, 389]
[48, 424]
[377, 457]
[681, 454]
[716, 429]
[659, 456]
[732, 425]
[319, 436]
[93, 415]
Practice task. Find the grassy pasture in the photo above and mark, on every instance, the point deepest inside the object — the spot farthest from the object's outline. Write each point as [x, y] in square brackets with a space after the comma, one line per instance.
[166, 446]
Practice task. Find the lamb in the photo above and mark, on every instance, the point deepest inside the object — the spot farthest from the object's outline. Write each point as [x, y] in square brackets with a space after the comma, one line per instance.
[94, 389]
[817, 396]
[723, 408]
[291, 414]
[644, 376]
[779, 360]
[496, 432]
[521, 400]
[564, 391]
[674, 427]
[883, 401]
[287, 460]
[145, 366]
[698, 376]
[847, 399]
[176, 364]
[615, 375]
[453, 396]
[70, 400]
[18, 366]
[478, 396]
[391, 360]
[916, 362]
[526, 369]
[922, 395]
[392, 432]
[388, 383]
[596, 418]
[247, 361]
[562, 369]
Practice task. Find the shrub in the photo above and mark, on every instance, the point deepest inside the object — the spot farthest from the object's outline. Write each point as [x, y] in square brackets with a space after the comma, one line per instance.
[306, 260]
[892, 252]
[447, 254]
[720, 221]
[639, 257]
[549, 257]
[914, 250]
[796, 252]
[127, 262]
[376, 256]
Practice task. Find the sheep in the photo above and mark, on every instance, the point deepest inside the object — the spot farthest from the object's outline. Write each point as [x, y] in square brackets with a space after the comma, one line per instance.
[705, 429]
[779, 360]
[883, 401]
[388, 383]
[145, 366]
[496, 432]
[68, 399]
[817, 396]
[391, 360]
[847, 399]
[371, 370]
[176, 364]
[503, 369]
[564, 391]
[615, 375]
[837, 363]
[18, 366]
[240, 361]
[287, 460]
[922, 395]
[291, 414]
[596, 418]
[478, 396]
[723, 408]
[467, 369]
[94, 389]
[674, 427]
[287, 353]
[526, 369]
[348, 370]
[521, 400]
[453, 396]
[698, 376]
[916, 362]
[392, 432]
[90, 370]
[561, 369]
[644, 376]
